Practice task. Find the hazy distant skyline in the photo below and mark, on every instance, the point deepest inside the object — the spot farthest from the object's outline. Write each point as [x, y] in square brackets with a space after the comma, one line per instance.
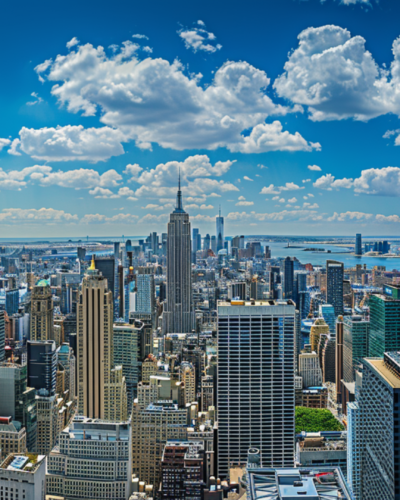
[284, 113]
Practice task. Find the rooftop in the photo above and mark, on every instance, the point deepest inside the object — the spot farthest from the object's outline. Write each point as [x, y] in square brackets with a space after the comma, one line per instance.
[29, 462]
[320, 483]
[255, 302]
[384, 371]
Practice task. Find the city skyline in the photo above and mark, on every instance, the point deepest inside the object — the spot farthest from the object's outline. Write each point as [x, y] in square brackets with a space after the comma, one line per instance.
[280, 152]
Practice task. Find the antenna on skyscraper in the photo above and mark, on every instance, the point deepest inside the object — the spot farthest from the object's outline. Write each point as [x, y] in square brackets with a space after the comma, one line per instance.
[220, 210]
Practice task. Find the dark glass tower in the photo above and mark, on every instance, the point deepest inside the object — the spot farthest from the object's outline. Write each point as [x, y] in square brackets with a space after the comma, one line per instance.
[334, 285]
[178, 315]
[288, 278]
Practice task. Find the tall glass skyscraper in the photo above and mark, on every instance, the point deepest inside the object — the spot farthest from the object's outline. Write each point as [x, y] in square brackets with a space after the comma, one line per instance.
[255, 382]
[355, 344]
[384, 310]
[288, 278]
[358, 245]
[220, 231]
[334, 285]
[178, 315]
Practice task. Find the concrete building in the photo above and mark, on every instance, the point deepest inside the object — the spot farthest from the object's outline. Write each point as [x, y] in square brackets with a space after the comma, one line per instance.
[41, 312]
[182, 471]
[66, 358]
[49, 422]
[319, 328]
[23, 477]
[42, 365]
[126, 354]
[326, 449]
[2, 336]
[178, 315]
[258, 402]
[152, 427]
[188, 377]
[12, 437]
[93, 461]
[310, 370]
[354, 448]
[315, 397]
[101, 388]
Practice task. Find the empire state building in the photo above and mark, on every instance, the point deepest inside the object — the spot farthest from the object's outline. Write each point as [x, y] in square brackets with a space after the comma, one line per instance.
[178, 315]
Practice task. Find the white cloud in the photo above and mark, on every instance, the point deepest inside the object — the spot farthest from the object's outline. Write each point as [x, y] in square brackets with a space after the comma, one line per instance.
[37, 99]
[275, 198]
[82, 178]
[346, 216]
[333, 74]
[4, 143]
[241, 198]
[292, 200]
[267, 137]
[244, 203]
[14, 148]
[115, 219]
[139, 97]
[387, 218]
[289, 186]
[310, 206]
[142, 37]
[199, 39]
[306, 180]
[195, 174]
[261, 166]
[71, 142]
[31, 215]
[284, 215]
[247, 178]
[314, 168]
[99, 192]
[328, 182]
[310, 195]
[281, 200]
[74, 41]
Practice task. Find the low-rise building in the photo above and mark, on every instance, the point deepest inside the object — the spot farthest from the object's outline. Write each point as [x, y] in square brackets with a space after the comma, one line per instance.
[322, 448]
[315, 397]
[12, 437]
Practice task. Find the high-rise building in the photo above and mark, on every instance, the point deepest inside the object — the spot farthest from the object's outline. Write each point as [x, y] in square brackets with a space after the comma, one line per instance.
[195, 239]
[49, 422]
[23, 477]
[358, 245]
[42, 312]
[42, 366]
[12, 437]
[328, 313]
[152, 427]
[318, 328]
[154, 243]
[384, 317]
[354, 448]
[188, 377]
[220, 231]
[206, 242]
[339, 359]
[255, 407]
[334, 285]
[126, 353]
[93, 460]
[214, 244]
[288, 278]
[101, 389]
[380, 427]
[66, 358]
[274, 280]
[182, 471]
[2, 336]
[178, 315]
[310, 370]
[355, 344]
[107, 267]
[146, 292]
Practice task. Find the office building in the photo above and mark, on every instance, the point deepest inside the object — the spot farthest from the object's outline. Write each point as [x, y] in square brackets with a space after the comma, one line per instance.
[2, 336]
[42, 366]
[188, 377]
[178, 315]
[18, 401]
[126, 354]
[384, 321]
[214, 244]
[207, 242]
[310, 369]
[358, 245]
[380, 427]
[274, 280]
[355, 344]
[318, 328]
[328, 313]
[67, 360]
[23, 477]
[146, 292]
[288, 278]
[220, 231]
[326, 449]
[258, 402]
[339, 359]
[154, 243]
[41, 312]
[182, 471]
[93, 460]
[237, 291]
[312, 483]
[101, 388]
[354, 448]
[108, 269]
[11, 301]
[152, 427]
[334, 285]
[50, 421]
[315, 397]
[195, 240]
[12, 437]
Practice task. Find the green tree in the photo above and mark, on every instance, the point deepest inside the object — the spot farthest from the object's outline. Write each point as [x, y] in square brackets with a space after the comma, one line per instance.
[315, 420]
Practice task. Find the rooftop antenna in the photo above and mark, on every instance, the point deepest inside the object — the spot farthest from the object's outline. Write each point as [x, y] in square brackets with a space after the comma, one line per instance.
[220, 210]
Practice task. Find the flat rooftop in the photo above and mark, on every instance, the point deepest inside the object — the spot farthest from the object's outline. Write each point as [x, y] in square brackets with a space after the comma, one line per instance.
[264, 303]
[289, 484]
[28, 462]
[381, 367]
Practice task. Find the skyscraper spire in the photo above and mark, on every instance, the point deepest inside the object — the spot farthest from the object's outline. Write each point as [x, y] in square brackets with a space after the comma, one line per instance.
[179, 206]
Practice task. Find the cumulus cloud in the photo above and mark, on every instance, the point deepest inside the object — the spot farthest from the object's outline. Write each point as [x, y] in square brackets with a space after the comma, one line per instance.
[333, 74]
[4, 143]
[271, 189]
[199, 39]
[139, 36]
[349, 216]
[71, 142]
[74, 41]
[115, 219]
[292, 200]
[14, 148]
[196, 172]
[244, 203]
[32, 216]
[271, 137]
[314, 168]
[155, 101]
[37, 99]
[247, 178]
[99, 192]
[329, 183]
[387, 218]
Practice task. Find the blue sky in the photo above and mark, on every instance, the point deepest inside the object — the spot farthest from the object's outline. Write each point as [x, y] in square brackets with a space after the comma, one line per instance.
[285, 113]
